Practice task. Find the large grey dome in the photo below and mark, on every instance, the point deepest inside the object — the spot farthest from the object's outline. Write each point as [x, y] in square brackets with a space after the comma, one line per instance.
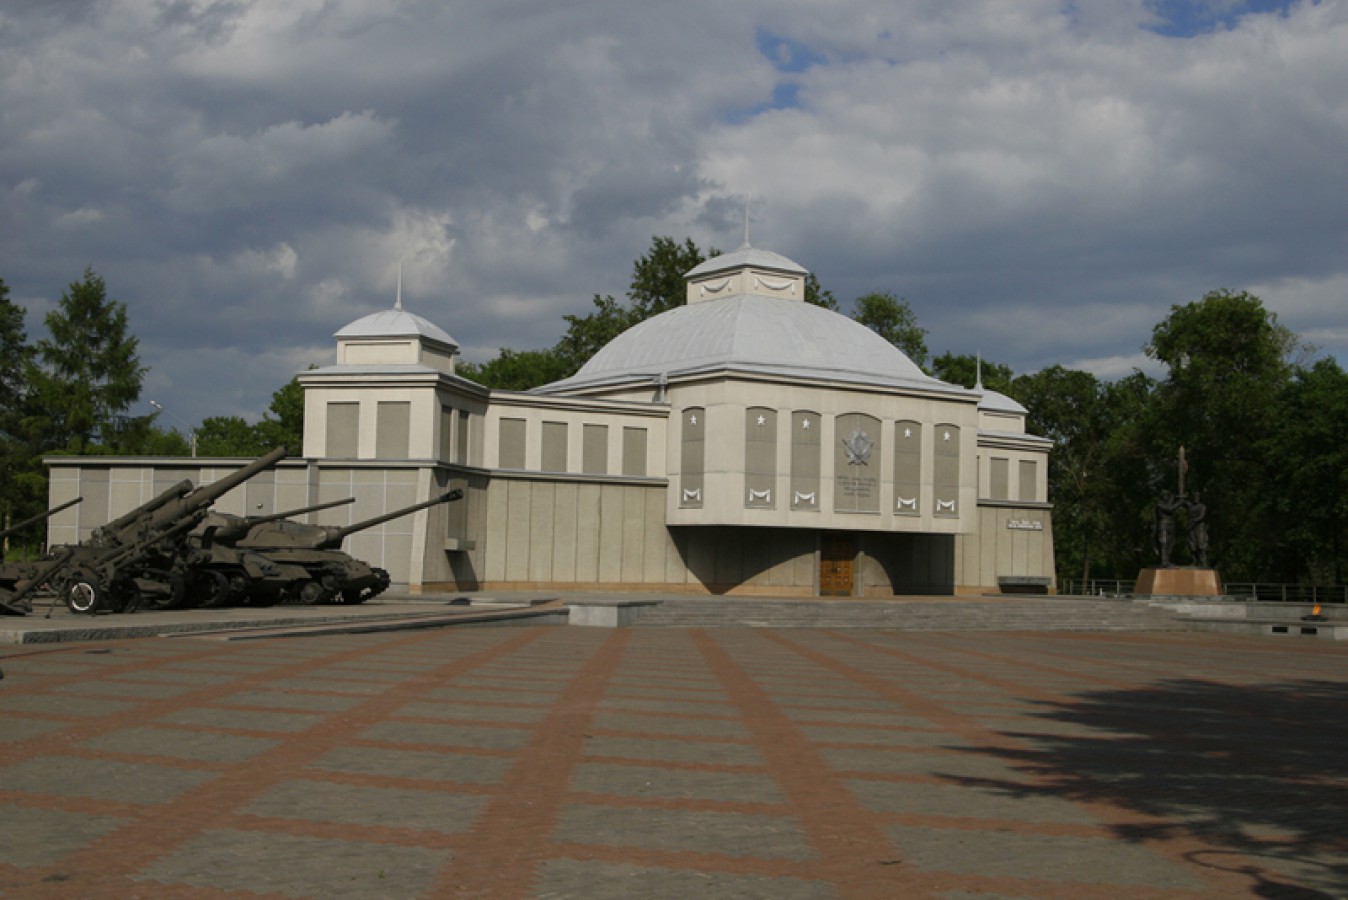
[749, 333]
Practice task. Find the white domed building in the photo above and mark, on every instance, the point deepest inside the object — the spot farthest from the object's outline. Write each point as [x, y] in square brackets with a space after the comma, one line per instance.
[744, 443]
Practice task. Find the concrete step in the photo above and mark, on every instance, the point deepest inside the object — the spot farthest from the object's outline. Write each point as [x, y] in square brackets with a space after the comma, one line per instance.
[1050, 614]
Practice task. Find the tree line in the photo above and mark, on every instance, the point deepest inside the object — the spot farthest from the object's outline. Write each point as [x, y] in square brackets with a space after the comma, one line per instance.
[1262, 420]
[73, 391]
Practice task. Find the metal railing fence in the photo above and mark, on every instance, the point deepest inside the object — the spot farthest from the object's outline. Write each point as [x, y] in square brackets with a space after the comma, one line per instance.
[1260, 592]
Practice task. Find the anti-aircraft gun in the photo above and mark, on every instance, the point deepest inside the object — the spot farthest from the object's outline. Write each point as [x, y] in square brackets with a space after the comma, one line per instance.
[220, 573]
[134, 559]
[331, 575]
[19, 580]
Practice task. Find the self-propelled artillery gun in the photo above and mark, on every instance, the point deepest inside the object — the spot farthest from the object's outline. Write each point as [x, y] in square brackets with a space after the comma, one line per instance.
[135, 560]
[20, 580]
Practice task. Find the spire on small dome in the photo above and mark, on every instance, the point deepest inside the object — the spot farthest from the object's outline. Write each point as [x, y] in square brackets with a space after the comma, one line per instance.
[746, 245]
[398, 301]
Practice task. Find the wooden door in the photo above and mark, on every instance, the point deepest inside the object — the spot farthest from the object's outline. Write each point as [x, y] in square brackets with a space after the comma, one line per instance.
[837, 556]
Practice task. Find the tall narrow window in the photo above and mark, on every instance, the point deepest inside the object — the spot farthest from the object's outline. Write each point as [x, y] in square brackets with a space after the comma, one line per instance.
[512, 444]
[461, 438]
[343, 437]
[692, 457]
[805, 437]
[554, 447]
[634, 452]
[947, 470]
[393, 421]
[594, 450]
[1000, 476]
[1029, 480]
[760, 457]
[908, 468]
[446, 432]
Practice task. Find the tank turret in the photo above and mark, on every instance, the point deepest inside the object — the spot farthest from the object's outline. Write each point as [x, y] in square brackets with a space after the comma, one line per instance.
[332, 576]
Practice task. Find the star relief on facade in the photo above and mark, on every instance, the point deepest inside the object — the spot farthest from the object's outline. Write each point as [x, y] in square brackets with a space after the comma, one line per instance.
[857, 446]
[692, 420]
[762, 420]
[945, 436]
[907, 432]
[805, 424]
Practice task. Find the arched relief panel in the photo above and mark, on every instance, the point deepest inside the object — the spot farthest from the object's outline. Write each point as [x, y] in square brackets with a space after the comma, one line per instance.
[908, 468]
[692, 457]
[805, 442]
[857, 462]
[760, 457]
[946, 470]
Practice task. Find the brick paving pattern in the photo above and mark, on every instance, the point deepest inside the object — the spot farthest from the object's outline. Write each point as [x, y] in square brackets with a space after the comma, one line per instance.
[676, 763]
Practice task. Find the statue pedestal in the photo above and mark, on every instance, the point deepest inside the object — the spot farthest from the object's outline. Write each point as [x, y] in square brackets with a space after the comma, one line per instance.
[1176, 582]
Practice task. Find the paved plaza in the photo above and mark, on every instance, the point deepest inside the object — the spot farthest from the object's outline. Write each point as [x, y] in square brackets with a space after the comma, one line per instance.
[495, 762]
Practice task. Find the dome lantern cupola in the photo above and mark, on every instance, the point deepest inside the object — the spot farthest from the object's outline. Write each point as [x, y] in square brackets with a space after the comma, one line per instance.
[748, 271]
[396, 337]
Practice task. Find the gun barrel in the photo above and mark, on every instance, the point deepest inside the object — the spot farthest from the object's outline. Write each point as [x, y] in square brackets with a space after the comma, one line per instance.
[179, 490]
[335, 538]
[207, 494]
[303, 510]
[39, 517]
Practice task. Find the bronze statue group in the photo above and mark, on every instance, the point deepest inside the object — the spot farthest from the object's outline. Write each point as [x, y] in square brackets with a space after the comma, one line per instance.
[1165, 527]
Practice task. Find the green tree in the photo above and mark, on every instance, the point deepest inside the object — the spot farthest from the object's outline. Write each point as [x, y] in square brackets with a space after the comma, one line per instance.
[16, 502]
[658, 276]
[1310, 495]
[282, 424]
[963, 369]
[229, 436]
[1228, 363]
[90, 370]
[815, 295]
[1092, 470]
[586, 335]
[894, 320]
[517, 370]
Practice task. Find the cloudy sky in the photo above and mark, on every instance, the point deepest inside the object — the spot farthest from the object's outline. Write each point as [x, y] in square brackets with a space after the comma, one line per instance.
[1040, 179]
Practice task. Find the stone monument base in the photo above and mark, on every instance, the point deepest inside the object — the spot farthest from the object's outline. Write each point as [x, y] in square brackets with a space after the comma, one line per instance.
[1176, 582]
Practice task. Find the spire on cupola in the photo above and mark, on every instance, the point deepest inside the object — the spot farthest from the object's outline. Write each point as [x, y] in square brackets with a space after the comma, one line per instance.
[398, 301]
[746, 272]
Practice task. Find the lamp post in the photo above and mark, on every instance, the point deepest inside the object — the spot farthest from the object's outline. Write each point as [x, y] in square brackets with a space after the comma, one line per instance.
[191, 432]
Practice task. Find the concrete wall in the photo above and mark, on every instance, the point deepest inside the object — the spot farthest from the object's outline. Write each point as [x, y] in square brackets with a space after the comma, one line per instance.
[1011, 539]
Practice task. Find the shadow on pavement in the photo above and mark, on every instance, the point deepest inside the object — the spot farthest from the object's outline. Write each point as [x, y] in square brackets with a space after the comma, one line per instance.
[1257, 773]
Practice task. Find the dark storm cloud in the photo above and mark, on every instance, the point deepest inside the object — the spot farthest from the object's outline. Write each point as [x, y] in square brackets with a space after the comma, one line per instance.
[1042, 181]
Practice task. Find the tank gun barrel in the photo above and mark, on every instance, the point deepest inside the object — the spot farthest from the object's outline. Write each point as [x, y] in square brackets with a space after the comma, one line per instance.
[236, 530]
[303, 510]
[39, 517]
[335, 536]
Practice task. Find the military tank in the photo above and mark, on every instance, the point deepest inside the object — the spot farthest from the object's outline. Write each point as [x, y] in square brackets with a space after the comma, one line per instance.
[219, 572]
[330, 575]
